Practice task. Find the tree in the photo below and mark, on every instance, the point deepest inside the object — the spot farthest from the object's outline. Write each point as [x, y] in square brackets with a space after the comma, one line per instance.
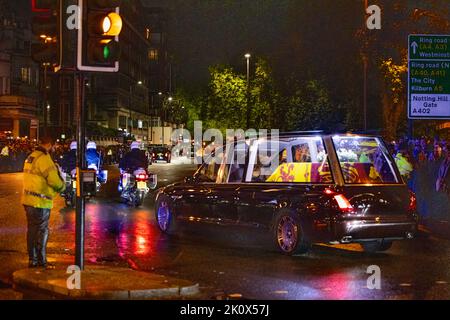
[176, 111]
[263, 96]
[227, 103]
[394, 98]
[409, 17]
[311, 108]
[194, 106]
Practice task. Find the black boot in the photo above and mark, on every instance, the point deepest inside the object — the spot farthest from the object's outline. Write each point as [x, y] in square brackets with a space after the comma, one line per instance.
[42, 247]
[32, 264]
[31, 238]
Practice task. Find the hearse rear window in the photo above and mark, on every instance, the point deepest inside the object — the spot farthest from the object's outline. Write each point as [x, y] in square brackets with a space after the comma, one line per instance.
[296, 160]
[364, 160]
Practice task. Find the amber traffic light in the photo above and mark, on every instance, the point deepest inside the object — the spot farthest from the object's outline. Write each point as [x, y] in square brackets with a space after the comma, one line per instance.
[99, 48]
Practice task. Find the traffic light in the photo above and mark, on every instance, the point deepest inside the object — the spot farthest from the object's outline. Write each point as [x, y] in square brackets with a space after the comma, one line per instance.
[46, 26]
[98, 35]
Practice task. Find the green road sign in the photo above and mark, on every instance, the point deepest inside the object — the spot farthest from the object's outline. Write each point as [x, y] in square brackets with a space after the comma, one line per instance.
[429, 77]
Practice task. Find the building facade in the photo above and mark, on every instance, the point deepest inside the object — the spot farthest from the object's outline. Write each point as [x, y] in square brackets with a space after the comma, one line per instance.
[128, 101]
[19, 75]
[127, 104]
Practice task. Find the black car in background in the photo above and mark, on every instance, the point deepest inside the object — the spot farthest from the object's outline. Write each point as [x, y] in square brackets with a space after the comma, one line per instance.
[161, 153]
[299, 189]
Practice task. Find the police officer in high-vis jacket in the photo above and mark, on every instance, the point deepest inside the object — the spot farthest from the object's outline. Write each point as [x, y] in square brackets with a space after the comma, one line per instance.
[41, 183]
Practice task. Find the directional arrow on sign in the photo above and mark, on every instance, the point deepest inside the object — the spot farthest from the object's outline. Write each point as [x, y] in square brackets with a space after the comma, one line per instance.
[414, 45]
[428, 83]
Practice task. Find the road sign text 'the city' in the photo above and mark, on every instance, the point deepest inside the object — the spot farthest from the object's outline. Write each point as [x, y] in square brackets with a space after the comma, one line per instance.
[429, 77]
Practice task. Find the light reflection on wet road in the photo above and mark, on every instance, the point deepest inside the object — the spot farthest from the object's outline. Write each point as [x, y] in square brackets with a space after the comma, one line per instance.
[120, 235]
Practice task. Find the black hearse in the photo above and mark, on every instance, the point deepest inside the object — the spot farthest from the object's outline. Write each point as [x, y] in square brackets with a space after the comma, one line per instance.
[300, 188]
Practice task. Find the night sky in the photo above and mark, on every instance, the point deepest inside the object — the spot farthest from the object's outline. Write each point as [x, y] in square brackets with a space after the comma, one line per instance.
[310, 38]
[307, 39]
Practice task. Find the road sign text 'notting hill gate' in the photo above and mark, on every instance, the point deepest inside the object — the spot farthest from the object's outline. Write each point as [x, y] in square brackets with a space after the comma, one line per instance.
[429, 77]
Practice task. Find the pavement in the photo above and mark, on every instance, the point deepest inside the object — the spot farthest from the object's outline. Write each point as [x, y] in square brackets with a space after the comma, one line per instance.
[101, 279]
[102, 282]
[436, 227]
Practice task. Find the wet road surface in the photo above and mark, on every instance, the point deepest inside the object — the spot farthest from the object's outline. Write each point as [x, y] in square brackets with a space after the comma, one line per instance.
[224, 264]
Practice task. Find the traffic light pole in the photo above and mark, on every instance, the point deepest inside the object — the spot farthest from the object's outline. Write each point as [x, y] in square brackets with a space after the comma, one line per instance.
[80, 203]
[45, 102]
[99, 23]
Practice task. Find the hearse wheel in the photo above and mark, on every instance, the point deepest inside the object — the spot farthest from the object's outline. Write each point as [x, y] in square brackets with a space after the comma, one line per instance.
[164, 215]
[288, 234]
[374, 246]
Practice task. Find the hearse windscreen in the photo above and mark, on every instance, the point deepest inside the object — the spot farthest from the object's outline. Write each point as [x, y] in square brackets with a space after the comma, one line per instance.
[364, 160]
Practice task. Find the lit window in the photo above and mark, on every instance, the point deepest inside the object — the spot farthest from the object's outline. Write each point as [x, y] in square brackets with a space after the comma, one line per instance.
[153, 54]
[25, 75]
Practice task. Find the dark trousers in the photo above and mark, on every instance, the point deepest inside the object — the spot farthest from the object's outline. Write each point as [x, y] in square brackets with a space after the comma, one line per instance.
[37, 235]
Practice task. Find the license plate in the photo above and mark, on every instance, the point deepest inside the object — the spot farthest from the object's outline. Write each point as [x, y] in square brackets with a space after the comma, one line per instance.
[142, 185]
[74, 184]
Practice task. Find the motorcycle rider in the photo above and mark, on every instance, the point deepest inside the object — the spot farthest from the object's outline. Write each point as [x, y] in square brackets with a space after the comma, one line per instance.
[92, 156]
[132, 161]
[69, 160]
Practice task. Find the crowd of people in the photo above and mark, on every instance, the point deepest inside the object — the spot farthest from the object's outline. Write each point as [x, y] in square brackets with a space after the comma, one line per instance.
[422, 150]
[13, 153]
[412, 155]
[110, 155]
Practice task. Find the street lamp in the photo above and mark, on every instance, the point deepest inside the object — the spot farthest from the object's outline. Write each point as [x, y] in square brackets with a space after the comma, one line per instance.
[129, 105]
[170, 100]
[365, 61]
[248, 56]
[47, 115]
[45, 88]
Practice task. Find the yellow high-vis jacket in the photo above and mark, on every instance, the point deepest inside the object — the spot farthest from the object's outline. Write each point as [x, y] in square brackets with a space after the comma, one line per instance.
[403, 165]
[41, 180]
[5, 152]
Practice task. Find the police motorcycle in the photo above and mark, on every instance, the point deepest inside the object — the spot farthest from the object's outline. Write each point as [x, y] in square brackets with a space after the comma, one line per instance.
[70, 194]
[67, 168]
[135, 185]
[93, 161]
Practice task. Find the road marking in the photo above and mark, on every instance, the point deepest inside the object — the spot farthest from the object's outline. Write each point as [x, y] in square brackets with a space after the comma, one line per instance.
[405, 284]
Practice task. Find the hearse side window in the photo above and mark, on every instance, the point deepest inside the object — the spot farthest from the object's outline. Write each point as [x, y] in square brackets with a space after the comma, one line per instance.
[238, 162]
[210, 169]
[364, 160]
[297, 160]
[262, 169]
[234, 163]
